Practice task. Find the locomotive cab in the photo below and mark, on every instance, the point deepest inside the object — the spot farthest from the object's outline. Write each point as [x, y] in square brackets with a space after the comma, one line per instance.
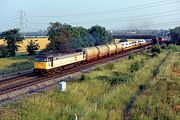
[42, 63]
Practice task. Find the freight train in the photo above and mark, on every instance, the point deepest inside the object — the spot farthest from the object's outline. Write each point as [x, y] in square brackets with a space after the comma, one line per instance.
[56, 62]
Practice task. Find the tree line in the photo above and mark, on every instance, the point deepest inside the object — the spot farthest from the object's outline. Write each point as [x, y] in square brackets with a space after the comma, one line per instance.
[65, 38]
[62, 37]
[175, 35]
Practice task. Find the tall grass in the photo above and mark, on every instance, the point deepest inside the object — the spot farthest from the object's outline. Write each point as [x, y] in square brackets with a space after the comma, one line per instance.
[161, 100]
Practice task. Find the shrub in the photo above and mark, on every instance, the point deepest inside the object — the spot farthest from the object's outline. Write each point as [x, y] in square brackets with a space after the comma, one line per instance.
[156, 71]
[135, 67]
[84, 77]
[173, 47]
[142, 88]
[156, 49]
[164, 46]
[118, 78]
[154, 55]
[104, 78]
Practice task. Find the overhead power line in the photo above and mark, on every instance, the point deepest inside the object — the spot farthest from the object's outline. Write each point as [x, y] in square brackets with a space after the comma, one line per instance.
[9, 18]
[8, 24]
[121, 19]
[155, 24]
[142, 6]
[159, 14]
[136, 26]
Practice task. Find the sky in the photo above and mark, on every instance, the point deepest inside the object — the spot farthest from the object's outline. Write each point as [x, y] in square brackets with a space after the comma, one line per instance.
[34, 15]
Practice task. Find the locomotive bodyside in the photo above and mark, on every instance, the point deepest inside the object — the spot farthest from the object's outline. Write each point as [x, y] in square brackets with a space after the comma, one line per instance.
[53, 61]
[63, 60]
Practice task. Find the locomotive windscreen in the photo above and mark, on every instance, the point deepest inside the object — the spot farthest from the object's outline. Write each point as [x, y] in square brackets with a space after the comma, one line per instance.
[40, 59]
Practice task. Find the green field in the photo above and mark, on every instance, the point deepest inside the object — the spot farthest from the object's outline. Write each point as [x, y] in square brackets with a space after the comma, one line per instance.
[104, 93]
[15, 64]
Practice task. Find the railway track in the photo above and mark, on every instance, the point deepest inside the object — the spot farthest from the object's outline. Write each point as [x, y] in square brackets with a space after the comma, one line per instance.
[24, 81]
[13, 80]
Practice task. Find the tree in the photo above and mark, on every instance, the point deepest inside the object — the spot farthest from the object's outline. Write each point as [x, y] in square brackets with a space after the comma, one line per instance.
[175, 35]
[65, 38]
[32, 47]
[100, 35]
[156, 49]
[11, 37]
[3, 51]
[59, 37]
[81, 38]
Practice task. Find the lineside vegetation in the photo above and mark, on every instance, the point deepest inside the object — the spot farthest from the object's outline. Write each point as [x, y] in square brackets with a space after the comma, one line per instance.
[105, 92]
[161, 100]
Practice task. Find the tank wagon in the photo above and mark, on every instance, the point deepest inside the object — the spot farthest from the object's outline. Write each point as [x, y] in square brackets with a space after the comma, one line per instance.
[119, 48]
[54, 61]
[103, 51]
[91, 53]
[112, 49]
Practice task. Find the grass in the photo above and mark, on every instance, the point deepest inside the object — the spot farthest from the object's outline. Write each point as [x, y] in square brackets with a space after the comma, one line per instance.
[92, 96]
[15, 64]
[162, 99]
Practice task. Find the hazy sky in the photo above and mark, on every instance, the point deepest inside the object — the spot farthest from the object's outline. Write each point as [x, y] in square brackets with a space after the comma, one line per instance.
[112, 14]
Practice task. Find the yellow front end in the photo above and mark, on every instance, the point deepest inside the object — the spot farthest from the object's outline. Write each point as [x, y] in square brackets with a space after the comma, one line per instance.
[40, 65]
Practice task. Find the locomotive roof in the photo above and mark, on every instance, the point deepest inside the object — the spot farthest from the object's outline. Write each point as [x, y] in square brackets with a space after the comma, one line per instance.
[56, 54]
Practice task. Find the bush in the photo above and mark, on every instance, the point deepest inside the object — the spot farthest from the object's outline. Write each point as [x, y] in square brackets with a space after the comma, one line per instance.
[84, 77]
[156, 49]
[104, 78]
[118, 78]
[154, 55]
[135, 67]
[164, 46]
[142, 88]
[156, 71]
[173, 47]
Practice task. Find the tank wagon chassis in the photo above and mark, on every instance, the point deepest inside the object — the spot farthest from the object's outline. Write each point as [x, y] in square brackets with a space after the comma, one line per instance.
[52, 63]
